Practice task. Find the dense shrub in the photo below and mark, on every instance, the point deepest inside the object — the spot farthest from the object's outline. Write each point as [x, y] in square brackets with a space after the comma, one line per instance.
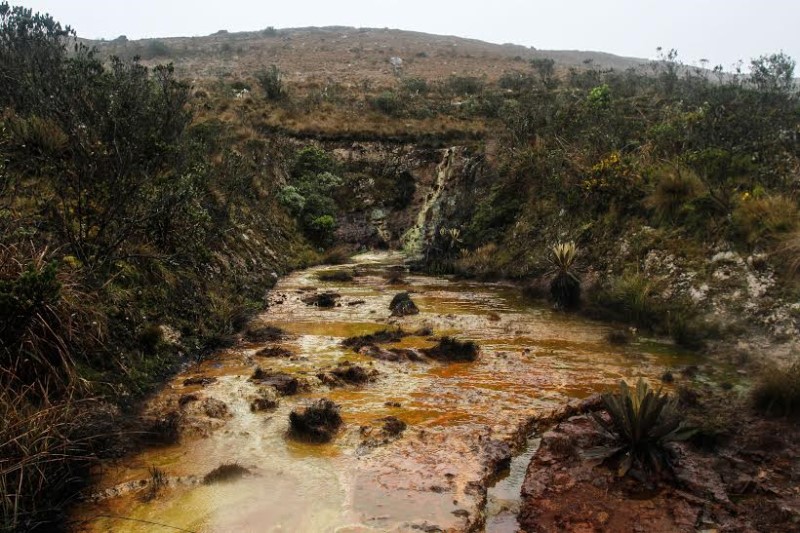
[311, 194]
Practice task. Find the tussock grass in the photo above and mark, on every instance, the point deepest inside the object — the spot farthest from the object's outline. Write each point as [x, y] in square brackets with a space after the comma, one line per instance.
[777, 391]
[318, 422]
[452, 349]
[45, 319]
[46, 450]
[765, 218]
[674, 188]
[384, 336]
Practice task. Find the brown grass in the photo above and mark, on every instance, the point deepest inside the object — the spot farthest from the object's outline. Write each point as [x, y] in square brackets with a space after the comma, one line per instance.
[45, 452]
[45, 320]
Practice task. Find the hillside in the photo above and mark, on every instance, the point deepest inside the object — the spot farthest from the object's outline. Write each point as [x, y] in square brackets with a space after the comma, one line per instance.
[347, 55]
[149, 208]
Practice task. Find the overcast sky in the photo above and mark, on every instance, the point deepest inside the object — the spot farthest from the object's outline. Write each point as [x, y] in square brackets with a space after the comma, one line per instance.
[722, 31]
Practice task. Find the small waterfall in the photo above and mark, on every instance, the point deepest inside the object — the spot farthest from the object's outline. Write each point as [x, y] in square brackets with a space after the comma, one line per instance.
[416, 237]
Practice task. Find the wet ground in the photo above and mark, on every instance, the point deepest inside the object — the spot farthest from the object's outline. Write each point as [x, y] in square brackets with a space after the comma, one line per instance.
[463, 418]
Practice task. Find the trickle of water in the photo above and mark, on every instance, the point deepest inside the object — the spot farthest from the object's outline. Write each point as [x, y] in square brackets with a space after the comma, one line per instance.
[414, 239]
[503, 497]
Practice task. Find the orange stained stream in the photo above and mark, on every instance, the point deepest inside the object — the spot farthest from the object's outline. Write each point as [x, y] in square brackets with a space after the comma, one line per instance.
[532, 360]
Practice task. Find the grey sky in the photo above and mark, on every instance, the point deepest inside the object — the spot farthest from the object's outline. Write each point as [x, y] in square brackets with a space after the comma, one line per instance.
[722, 31]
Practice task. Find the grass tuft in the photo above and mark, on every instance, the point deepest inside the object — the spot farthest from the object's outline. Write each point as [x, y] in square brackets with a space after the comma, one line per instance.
[777, 391]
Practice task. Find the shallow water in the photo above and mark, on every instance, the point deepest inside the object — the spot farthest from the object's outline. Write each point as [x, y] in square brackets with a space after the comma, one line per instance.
[532, 360]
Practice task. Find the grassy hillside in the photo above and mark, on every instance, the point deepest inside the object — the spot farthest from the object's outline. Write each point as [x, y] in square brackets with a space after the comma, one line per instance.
[349, 56]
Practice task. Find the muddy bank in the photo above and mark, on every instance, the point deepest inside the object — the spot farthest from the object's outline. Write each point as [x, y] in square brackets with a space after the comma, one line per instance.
[420, 439]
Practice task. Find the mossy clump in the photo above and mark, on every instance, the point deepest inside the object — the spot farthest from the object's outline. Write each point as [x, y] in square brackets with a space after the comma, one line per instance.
[353, 374]
[403, 305]
[284, 384]
[225, 473]
[384, 336]
[317, 423]
[265, 400]
[452, 349]
[393, 426]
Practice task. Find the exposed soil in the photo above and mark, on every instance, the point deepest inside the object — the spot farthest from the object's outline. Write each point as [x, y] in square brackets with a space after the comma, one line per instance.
[744, 480]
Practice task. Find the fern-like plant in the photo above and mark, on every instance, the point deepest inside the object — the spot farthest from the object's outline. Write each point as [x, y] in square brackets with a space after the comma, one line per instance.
[641, 422]
[565, 287]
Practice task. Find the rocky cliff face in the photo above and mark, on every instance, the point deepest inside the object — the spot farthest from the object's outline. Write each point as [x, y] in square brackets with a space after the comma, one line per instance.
[406, 193]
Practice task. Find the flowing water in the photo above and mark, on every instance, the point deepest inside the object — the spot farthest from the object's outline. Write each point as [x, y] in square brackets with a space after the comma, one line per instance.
[432, 477]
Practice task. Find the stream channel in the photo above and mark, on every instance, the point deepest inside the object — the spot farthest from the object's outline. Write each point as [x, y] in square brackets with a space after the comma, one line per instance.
[437, 475]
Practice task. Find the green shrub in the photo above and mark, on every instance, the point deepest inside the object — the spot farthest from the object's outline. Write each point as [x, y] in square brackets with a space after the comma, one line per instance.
[322, 229]
[388, 103]
[150, 337]
[415, 86]
[292, 200]
[45, 322]
[156, 48]
[465, 85]
[641, 422]
[310, 161]
[516, 81]
[600, 96]
[271, 82]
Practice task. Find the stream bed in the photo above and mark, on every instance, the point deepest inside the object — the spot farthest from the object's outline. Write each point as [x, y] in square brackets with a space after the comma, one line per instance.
[440, 474]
